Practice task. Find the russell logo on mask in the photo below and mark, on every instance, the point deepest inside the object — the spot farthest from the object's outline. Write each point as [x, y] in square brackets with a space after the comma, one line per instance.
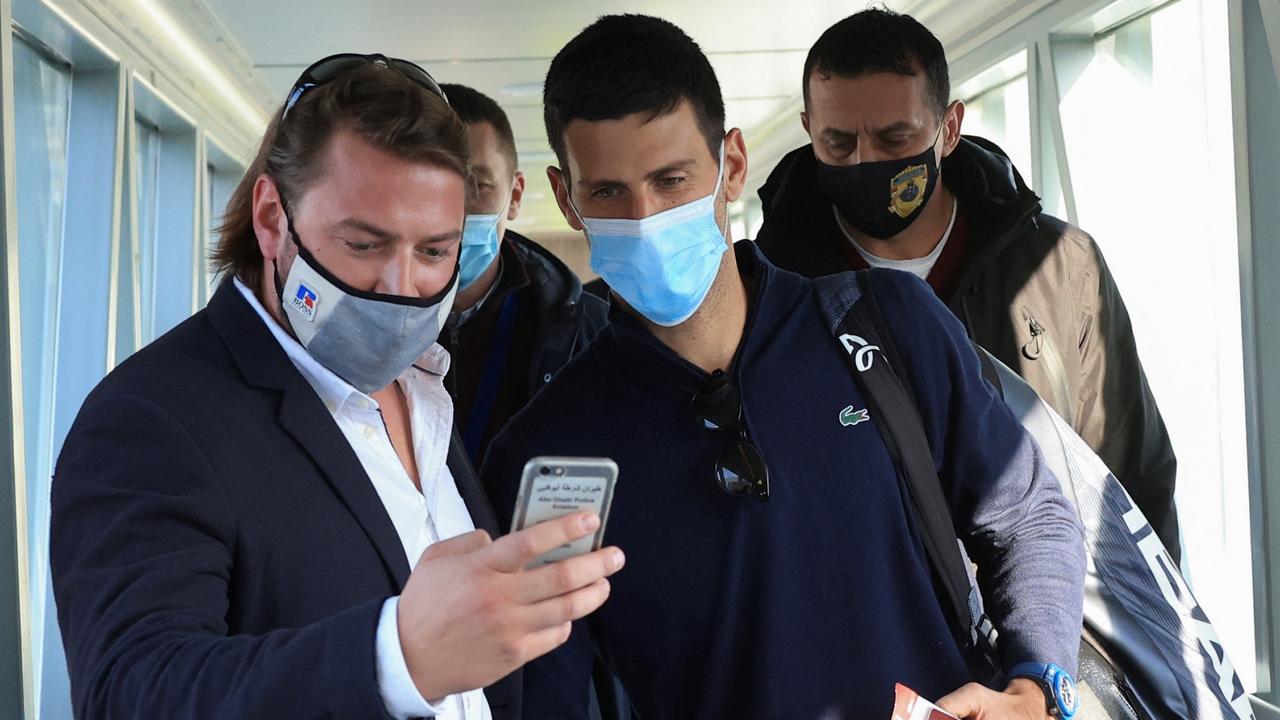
[304, 301]
[662, 265]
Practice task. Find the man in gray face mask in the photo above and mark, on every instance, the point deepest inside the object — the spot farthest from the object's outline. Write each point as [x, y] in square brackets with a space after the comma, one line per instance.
[266, 512]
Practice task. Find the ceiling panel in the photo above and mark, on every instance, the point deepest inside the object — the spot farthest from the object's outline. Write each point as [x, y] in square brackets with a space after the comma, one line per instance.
[503, 49]
[277, 33]
[761, 74]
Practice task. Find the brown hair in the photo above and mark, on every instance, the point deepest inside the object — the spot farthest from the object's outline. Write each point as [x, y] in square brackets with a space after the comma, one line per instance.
[382, 106]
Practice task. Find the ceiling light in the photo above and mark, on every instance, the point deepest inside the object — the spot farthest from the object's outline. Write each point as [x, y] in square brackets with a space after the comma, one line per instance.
[528, 89]
[218, 79]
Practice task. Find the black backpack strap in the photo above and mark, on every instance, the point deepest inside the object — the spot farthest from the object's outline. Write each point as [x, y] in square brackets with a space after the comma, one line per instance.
[874, 357]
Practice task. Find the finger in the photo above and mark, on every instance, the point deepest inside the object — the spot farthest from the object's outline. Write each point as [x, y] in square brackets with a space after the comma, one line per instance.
[568, 607]
[568, 575]
[457, 545]
[965, 702]
[544, 641]
[512, 552]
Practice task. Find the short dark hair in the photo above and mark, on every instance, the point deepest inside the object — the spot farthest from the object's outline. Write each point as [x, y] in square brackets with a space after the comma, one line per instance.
[625, 64]
[474, 107]
[879, 40]
[383, 107]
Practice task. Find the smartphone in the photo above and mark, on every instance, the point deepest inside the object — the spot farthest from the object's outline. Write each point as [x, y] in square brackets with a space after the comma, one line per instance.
[552, 487]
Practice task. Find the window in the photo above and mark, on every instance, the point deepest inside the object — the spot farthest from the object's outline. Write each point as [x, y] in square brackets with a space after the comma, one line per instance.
[1146, 118]
[745, 217]
[105, 211]
[170, 233]
[222, 175]
[42, 88]
[998, 108]
[146, 160]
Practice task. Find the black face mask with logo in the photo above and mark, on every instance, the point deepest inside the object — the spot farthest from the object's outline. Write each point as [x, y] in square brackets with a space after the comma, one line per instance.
[881, 199]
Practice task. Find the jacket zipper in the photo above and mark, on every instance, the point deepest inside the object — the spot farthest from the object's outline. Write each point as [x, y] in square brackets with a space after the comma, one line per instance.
[1040, 347]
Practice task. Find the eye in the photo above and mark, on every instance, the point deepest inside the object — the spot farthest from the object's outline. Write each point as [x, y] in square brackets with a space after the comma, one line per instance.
[672, 181]
[434, 252]
[357, 246]
[604, 193]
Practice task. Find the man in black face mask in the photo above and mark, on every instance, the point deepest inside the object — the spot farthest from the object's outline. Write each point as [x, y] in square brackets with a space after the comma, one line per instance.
[889, 181]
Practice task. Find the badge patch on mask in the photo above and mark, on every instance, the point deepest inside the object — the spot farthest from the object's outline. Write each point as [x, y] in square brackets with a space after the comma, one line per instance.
[304, 301]
[906, 190]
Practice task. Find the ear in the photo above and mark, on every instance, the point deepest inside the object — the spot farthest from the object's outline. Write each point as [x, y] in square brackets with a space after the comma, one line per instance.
[953, 118]
[269, 221]
[804, 121]
[735, 165]
[560, 186]
[517, 194]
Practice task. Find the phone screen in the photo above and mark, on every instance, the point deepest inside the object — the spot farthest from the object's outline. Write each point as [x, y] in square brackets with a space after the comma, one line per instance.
[556, 486]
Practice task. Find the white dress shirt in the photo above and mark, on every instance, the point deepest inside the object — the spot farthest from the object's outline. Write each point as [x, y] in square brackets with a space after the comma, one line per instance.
[421, 518]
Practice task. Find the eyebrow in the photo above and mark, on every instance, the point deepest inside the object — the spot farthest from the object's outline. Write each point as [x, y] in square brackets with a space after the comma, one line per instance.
[838, 134]
[386, 236]
[900, 126]
[651, 175]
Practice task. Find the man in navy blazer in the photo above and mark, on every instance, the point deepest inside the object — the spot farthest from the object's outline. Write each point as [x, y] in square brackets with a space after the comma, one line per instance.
[266, 512]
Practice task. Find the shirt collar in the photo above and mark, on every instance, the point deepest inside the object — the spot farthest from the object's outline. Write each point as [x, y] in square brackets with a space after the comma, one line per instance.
[332, 389]
[461, 317]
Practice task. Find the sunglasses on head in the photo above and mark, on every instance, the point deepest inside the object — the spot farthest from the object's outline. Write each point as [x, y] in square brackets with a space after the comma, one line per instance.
[740, 468]
[326, 69]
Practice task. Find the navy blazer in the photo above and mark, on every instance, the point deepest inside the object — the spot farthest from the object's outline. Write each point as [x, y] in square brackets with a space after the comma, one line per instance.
[217, 549]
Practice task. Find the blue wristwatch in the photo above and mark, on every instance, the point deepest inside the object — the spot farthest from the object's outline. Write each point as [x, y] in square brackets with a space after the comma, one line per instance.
[1059, 687]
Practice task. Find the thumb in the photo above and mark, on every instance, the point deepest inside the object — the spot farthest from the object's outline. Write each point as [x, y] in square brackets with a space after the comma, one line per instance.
[965, 702]
[457, 545]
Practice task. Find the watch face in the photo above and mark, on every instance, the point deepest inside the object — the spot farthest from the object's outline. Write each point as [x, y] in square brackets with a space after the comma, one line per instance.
[1065, 690]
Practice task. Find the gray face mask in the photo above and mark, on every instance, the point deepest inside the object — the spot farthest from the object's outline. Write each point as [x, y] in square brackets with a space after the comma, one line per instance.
[366, 338]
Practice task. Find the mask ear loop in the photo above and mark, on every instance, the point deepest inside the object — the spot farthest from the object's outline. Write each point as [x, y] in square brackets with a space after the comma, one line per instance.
[716, 194]
[942, 123]
[275, 265]
[568, 194]
[720, 172]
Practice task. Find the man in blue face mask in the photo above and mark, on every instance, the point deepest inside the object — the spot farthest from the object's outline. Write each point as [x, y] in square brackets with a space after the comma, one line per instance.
[889, 181]
[773, 569]
[520, 313]
[266, 513]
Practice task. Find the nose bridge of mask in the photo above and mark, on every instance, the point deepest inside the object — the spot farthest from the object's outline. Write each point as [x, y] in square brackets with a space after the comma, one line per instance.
[477, 227]
[311, 301]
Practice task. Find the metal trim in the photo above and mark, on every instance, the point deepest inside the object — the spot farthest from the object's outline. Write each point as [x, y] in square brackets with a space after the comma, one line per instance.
[113, 283]
[18, 695]
[198, 222]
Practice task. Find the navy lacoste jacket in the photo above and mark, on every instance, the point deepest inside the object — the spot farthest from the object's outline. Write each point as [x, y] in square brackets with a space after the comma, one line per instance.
[814, 603]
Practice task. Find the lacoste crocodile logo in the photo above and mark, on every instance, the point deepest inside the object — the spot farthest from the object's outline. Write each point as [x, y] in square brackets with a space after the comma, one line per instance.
[850, 417]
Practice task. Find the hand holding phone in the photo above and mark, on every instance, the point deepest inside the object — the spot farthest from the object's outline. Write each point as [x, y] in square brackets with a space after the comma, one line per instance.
[552, 487]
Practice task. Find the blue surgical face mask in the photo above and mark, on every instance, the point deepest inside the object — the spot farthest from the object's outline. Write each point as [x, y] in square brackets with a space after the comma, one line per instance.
[662, 265]
[480, 242]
